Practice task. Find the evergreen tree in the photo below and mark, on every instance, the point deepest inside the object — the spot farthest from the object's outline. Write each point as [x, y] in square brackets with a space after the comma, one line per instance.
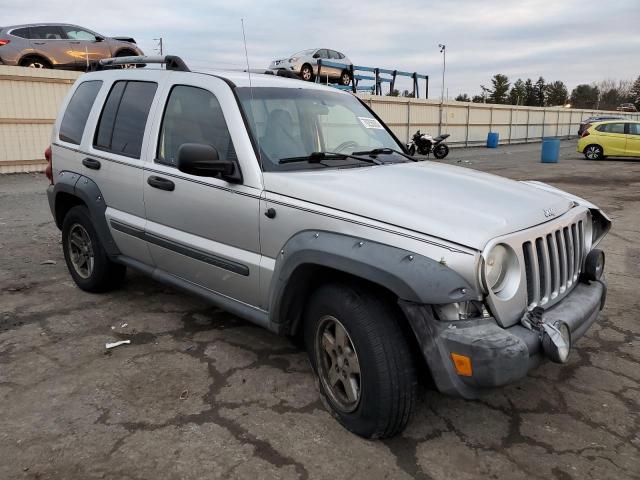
[635, 93]
[500, 84]
[557, 93]
[529, 94]
[463, 97]
[517, 93]
[540, 90]
[585, 96]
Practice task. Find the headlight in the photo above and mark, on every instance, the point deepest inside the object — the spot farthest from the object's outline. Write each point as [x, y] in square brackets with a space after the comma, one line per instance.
[293, 59]
[502, 271]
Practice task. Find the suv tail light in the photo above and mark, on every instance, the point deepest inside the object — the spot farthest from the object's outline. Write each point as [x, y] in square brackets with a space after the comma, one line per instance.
[49, 170]
[584, 133]
[4, 41]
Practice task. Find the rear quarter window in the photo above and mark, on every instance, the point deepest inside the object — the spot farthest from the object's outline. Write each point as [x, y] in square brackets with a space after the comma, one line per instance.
[124, 118]
[77, 112]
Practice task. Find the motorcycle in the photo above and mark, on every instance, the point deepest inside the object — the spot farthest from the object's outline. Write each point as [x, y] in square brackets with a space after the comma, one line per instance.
[424, 144]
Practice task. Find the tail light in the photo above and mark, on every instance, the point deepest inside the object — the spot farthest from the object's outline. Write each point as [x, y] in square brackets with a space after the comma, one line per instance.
[4, 41]
[49, 170]
[584, 134]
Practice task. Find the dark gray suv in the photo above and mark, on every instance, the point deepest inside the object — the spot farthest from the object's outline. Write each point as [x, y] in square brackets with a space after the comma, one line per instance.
[59, 45]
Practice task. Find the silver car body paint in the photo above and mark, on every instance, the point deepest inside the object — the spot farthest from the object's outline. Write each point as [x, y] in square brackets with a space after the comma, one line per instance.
[302, 59]
[452, 215]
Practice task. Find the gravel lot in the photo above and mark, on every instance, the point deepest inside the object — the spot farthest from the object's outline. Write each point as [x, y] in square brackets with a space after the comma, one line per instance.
[202, 394]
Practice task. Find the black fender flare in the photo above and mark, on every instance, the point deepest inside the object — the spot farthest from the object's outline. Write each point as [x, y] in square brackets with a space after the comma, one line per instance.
[411, 277]
[88, 192]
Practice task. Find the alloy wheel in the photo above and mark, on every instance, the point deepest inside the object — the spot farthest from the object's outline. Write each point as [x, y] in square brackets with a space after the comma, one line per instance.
[81, 250]
[338, 364]
[593, 152]
[306, 74]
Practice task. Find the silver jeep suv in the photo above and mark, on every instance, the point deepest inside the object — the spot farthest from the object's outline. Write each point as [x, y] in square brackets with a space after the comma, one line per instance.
[292, 205]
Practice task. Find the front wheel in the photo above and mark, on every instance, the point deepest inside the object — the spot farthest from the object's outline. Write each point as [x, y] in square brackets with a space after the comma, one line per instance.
[441, 151]
[594, 152]
[345, 78]
[362, 360]
[412, 149]
[306, 73]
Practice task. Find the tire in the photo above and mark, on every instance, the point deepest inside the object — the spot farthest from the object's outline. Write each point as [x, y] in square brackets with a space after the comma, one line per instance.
[86, 259]
[127, 53]
[441, 151]
[412, 149]
[345, 78]
[367, 380]
[306, 73]
[35, 61]
[593, 152]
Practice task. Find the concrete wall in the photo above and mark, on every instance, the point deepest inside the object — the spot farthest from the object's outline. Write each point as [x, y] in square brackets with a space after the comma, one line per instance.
[29, 101]
[469, 123]
[30, 98]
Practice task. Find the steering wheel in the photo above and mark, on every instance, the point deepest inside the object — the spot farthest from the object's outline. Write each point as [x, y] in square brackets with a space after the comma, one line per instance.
[344, 145]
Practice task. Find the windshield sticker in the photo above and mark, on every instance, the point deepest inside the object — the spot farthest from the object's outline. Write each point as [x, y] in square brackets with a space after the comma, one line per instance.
[370, 123]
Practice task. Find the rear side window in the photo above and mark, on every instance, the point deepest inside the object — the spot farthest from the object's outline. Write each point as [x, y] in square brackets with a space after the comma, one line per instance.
[634, 129]
[611, 128]
[193, 115]
[124, 118]
[21, 32]
[77, 112]
[47, 32]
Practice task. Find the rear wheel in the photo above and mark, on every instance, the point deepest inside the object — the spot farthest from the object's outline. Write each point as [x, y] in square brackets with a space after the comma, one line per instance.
[594, 152]
[441, 151]
[362, 359]
[86, 259]
[127, 53]
[35, 61]
[306, 73]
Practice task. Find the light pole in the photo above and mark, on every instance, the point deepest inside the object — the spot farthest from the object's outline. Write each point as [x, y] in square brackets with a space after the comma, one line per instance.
[443, 51]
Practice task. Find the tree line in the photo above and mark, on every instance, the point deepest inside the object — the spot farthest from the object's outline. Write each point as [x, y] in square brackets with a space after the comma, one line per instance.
[604, 95]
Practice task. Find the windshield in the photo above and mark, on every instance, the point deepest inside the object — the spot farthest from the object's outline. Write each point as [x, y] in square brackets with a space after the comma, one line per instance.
[303, 53]
[297, 122]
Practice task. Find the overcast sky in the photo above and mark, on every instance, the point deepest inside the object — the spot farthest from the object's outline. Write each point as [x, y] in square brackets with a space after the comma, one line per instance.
[575, 41]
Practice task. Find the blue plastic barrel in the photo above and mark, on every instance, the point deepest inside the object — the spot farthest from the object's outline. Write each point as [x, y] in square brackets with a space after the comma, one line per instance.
[492, 139]
[550, 150]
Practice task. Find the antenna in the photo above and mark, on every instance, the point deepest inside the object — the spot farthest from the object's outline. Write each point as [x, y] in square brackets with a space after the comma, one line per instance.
[246, 55]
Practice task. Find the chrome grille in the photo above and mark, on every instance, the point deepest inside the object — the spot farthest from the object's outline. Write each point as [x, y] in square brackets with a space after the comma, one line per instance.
[553, 263]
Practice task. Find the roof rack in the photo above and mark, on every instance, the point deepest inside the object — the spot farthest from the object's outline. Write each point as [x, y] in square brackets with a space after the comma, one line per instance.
[171, 62]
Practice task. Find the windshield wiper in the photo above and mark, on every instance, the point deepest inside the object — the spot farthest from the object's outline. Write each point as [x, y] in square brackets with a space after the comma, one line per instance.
[384, 151]
[315, 157]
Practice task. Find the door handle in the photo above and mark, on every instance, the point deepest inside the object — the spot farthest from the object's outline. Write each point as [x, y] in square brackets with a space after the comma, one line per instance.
[91, 163]
[161, 183]
[39, 43]
[75, 43]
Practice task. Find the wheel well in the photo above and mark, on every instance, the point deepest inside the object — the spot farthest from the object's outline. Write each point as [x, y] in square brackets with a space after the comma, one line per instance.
[125, 52]
[36, 56]
[64, 203]
[306, 278]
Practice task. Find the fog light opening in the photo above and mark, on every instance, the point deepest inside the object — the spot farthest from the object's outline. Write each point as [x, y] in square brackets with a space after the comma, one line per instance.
[556, 341]
[594, 265]
[462, 364]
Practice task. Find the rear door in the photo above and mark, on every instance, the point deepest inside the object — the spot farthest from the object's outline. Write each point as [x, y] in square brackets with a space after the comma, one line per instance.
[115, 156]
[202, 229]
[85, 46]
[614, 138]
[51, 42]
[633, 139]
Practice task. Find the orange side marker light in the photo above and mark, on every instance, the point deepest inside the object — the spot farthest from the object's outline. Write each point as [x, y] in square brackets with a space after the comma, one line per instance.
[462, 364]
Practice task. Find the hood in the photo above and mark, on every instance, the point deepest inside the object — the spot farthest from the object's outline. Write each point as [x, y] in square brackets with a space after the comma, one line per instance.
[457, 204]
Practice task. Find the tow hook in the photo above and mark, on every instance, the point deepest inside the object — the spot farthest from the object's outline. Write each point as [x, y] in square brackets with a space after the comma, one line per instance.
[555, 338]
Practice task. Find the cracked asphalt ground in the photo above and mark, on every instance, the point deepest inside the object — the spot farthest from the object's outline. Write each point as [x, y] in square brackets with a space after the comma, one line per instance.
[201, 394]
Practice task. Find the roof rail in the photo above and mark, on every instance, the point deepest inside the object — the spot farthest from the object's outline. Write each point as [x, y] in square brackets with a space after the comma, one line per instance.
[171, 62]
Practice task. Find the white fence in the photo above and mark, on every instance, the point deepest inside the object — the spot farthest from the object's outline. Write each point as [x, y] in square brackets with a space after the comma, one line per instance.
[30, 98]
[469, 123]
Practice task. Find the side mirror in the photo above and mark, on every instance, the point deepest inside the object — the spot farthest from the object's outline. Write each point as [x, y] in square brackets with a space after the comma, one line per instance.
[99, 38]
[202, 160]
[316, 55]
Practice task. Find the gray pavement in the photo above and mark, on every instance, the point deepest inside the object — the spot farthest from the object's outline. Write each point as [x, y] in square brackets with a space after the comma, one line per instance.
[202, 394]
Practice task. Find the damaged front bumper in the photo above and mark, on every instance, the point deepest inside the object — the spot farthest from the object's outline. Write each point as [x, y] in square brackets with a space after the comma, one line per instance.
[498, 355]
